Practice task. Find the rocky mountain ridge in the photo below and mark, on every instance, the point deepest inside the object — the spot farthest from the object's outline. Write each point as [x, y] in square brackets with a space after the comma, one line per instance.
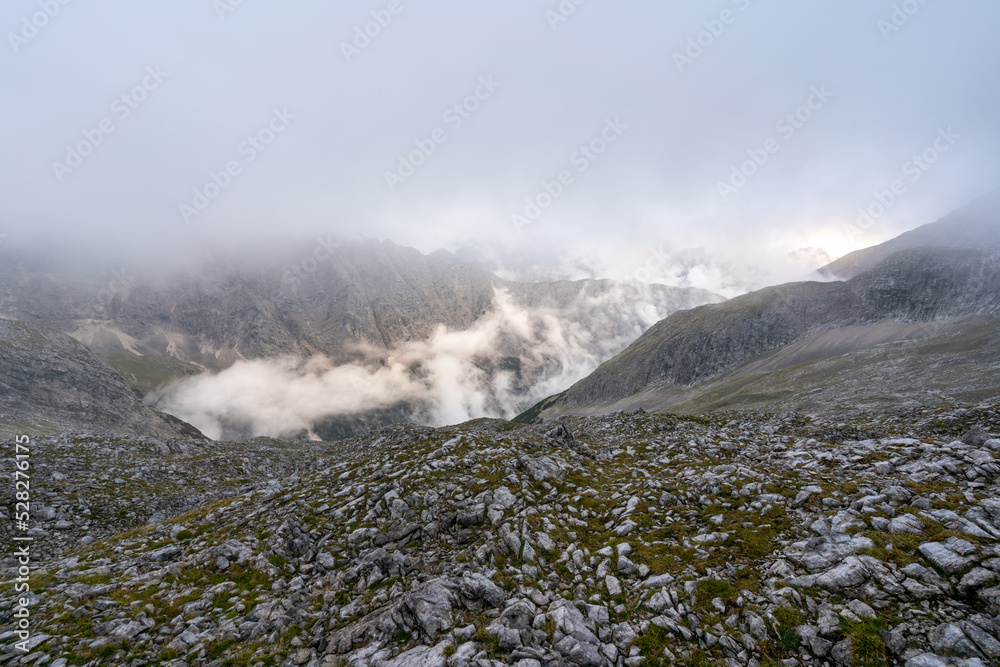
[360, 294]
[975, 226]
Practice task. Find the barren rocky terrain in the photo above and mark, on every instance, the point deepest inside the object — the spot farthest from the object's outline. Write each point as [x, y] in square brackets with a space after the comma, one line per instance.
[738, 538]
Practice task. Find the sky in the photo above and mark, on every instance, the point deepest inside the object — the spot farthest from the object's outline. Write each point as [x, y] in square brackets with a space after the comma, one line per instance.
[723, 144]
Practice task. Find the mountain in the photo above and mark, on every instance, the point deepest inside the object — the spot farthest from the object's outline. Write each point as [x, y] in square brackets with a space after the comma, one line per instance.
[975, 226]
[736, 538]
[352, 303]
[361, 294]
[923, 325]
[49, 382]
[229, 309]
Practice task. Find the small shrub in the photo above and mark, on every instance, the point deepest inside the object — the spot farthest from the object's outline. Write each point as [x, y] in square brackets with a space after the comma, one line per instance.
[789, 616]
[489, 643]
[867, 643]
[652, 643]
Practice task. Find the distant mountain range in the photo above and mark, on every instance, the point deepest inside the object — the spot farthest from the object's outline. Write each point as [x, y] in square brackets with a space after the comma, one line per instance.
[350, 302]
[917, 321]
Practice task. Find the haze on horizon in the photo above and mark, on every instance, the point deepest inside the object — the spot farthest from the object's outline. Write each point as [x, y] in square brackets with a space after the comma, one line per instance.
[311, 118]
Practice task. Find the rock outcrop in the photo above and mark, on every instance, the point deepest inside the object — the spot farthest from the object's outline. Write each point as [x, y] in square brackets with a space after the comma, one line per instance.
[50, 382]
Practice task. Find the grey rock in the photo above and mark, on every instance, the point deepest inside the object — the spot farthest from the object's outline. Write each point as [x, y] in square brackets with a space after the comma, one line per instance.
[949, 639]
[421, 656]
[166, 553]
[627, 567]
[541, 468]
[975, 579]
[906, 523]
[849, 574]
[861, 609]
[931, 660]
[843, 652]
[51, 378]
[946, 558]
[656, 581]
[987, 644]
[828, 621]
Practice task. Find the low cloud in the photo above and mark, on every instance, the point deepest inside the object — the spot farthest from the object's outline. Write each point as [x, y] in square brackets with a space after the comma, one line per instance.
[724, 267]
[508, 360]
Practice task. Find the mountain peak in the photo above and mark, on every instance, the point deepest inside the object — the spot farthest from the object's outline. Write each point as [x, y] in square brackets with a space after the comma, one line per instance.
[976, 225]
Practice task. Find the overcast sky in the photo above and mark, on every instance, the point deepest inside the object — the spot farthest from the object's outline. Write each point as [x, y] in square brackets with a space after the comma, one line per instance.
[312, 118]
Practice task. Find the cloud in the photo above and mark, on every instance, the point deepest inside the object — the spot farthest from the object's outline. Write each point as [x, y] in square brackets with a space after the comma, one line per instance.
[208, 126]
[508, 360]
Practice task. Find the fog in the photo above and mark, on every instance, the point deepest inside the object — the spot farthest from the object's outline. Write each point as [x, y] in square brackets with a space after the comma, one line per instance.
[594, 131]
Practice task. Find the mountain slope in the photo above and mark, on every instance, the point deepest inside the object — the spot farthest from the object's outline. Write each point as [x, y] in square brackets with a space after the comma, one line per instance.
[52, 383]
[909, 296]
[957, 361]
[975, 226]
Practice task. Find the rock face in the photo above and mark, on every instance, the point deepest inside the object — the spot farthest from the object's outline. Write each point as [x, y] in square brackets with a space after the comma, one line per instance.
[50, 382]
[733, 539]
[717, 351]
